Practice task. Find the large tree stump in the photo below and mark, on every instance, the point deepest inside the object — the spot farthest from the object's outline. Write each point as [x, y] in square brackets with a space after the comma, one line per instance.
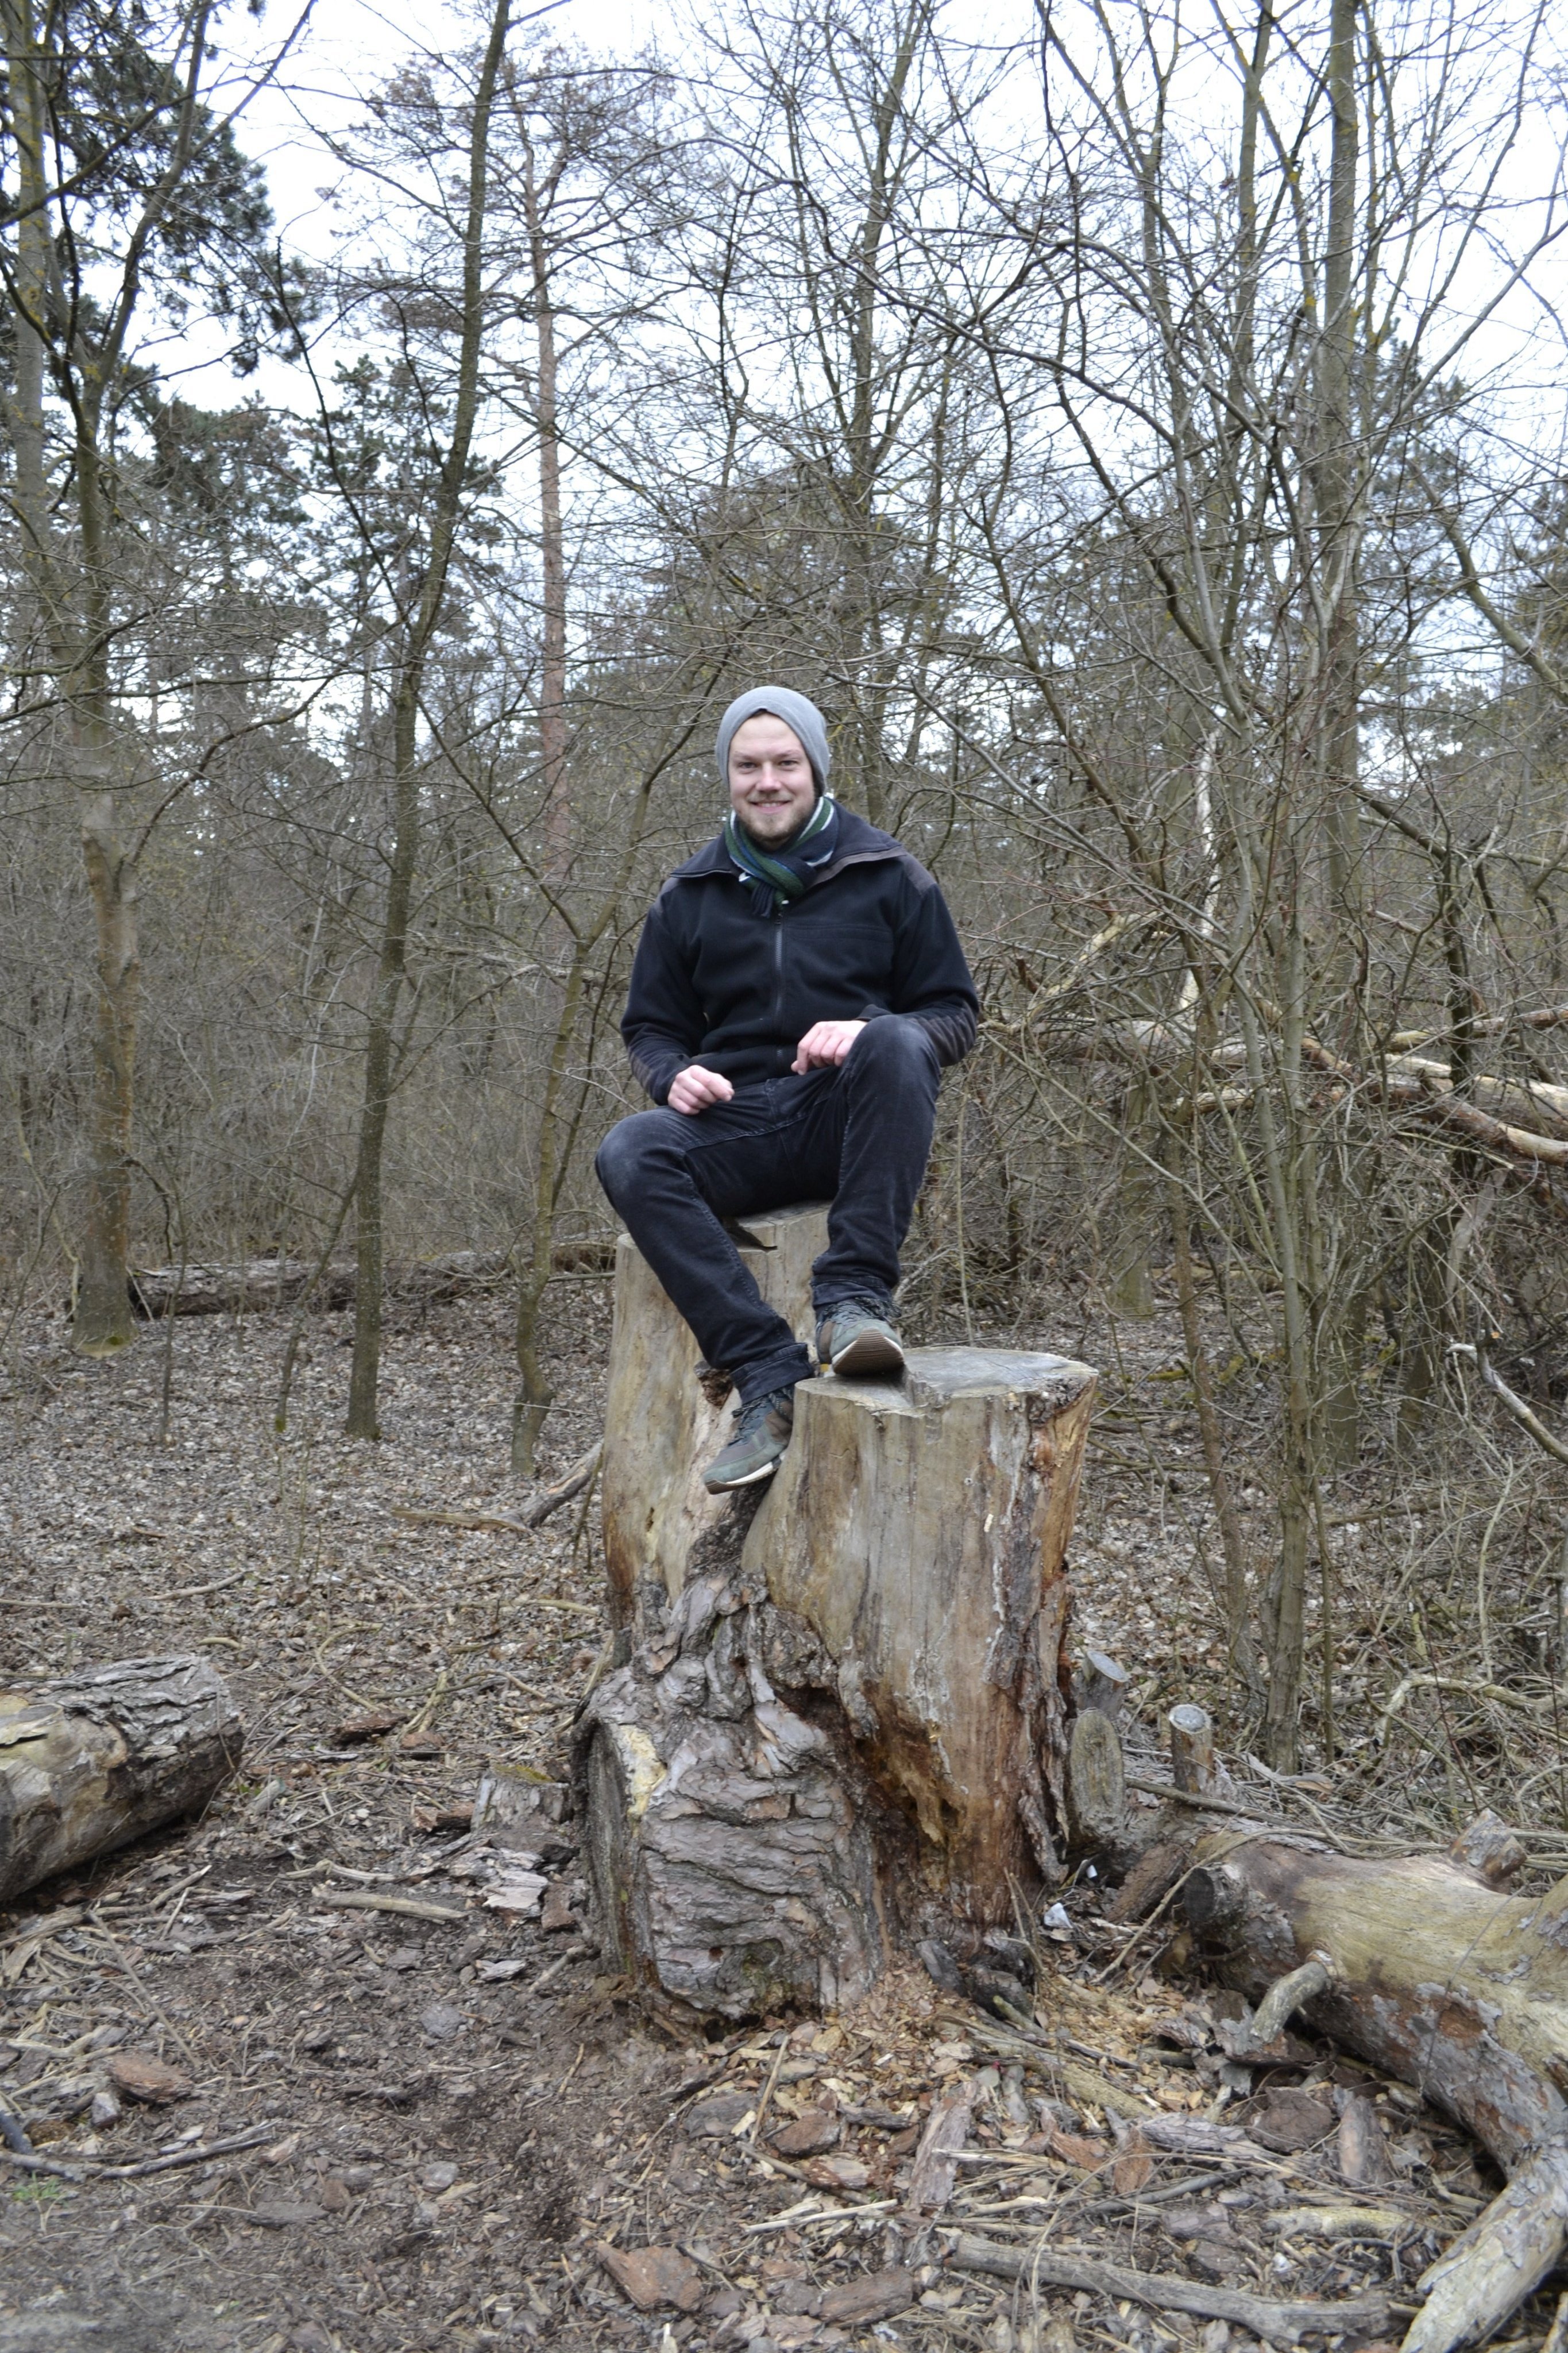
[834, 1719]
[91, 1760]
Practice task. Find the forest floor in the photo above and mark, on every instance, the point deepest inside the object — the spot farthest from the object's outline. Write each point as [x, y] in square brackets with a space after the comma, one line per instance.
[446, 2121]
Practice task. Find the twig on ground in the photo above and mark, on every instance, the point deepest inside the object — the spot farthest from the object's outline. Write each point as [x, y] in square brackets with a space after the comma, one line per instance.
[462, 1519]
[757, 2121]
[1276, 2323]
[519, 1524]
[580, 1476]
[86, 2168]
[194, 1592]
[354, 1899]
[804, 2216]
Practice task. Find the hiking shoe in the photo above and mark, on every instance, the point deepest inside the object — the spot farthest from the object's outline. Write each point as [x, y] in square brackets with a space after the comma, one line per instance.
[856, 1338]
[761, 1431]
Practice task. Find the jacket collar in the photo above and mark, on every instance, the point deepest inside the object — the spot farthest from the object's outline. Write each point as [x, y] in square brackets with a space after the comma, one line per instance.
[857, 842]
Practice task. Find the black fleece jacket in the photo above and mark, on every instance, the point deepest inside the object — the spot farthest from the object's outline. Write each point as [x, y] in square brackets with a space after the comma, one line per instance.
[715, 983]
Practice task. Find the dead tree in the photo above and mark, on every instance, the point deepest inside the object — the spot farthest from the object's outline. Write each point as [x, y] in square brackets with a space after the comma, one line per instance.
[259, 1284]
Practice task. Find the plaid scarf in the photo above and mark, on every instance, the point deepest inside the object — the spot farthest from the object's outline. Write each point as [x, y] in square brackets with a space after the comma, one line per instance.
[779, 876]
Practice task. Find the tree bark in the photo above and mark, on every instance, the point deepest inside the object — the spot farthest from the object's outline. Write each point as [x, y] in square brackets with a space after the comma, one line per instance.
[104, 1321]
[90, 1761]
[72, 592]
[72, 624]
[1338, 490]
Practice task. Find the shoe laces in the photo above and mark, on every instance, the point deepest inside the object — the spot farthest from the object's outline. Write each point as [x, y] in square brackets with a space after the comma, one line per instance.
[777, 1401]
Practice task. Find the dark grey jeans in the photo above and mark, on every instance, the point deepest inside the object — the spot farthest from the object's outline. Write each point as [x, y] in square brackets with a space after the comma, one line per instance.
[857, 1136]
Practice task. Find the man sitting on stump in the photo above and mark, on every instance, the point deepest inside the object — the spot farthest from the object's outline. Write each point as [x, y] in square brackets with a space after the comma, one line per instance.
[797, 988]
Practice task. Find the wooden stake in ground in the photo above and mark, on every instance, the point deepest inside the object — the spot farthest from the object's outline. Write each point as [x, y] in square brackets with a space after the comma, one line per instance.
[92, 1760]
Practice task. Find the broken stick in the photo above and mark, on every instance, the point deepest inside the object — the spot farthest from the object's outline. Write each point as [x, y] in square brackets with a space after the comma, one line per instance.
[1277, 2323]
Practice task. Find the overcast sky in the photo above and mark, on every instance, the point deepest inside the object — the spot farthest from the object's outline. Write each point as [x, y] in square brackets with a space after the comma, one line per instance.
[349, 46]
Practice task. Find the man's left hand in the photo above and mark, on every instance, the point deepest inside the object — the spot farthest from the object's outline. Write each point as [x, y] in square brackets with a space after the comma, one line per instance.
[824, 1044]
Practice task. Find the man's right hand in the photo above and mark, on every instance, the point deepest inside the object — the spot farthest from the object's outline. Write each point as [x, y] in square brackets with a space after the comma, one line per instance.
[693, 1089]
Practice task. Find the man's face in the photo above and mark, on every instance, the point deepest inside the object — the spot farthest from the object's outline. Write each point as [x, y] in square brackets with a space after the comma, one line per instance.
[771, 789]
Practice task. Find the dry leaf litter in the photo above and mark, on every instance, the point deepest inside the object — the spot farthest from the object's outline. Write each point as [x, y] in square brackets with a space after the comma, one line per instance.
[330, 2072]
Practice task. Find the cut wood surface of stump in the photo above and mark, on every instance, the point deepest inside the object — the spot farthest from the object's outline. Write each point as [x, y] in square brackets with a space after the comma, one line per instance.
[836, 1711]
[92, 1760]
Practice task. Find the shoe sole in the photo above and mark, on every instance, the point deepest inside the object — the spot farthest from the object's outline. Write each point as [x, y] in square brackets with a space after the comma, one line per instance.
[869, 1355]
[746, 1479]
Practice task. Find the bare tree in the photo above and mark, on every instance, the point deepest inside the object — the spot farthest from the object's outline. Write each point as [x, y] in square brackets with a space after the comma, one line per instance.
[153, 190]
[416, 578]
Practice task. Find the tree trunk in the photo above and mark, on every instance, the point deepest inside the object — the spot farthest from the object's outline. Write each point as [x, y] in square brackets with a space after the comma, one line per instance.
[104, 1321]
[1242, 1648]
[25, 404]
[837, 1719]
[1337, 491]
[1130, 1282]
[72, 625]
[365, 1376]
[557, 1134]
[90, 1761]
[364, 1379]
[551, 542]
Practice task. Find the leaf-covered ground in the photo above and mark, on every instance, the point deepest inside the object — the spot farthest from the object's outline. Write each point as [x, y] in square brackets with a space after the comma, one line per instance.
[452, 2127]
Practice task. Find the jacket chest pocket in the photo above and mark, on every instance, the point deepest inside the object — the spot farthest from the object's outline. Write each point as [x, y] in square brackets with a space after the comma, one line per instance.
[850, 963]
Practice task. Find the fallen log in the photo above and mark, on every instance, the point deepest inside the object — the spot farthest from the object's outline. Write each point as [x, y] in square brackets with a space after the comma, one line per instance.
[260, 1283]
[1427, 1969]
[92, 1760]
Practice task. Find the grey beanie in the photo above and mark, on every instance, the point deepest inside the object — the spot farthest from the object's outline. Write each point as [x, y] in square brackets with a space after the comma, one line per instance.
[795, 710]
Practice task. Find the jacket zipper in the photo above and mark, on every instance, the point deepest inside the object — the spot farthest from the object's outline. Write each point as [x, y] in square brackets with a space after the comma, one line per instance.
[778, 971]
